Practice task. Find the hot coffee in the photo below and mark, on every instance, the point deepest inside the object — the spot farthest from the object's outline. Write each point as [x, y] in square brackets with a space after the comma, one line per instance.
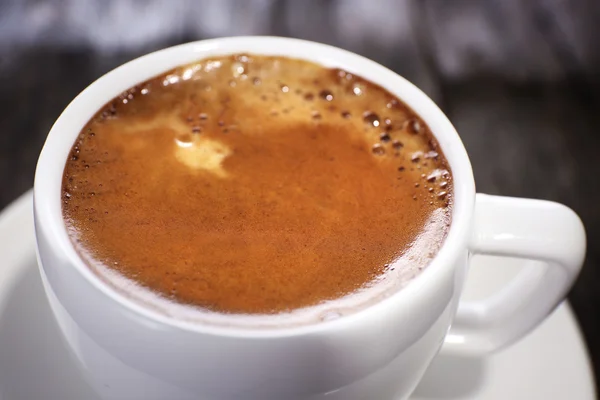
[255, 185]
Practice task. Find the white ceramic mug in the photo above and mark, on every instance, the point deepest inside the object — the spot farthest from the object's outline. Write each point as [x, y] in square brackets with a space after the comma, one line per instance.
[131, 352]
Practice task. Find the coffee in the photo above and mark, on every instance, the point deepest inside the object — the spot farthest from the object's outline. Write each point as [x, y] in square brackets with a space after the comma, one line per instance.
[254, 185]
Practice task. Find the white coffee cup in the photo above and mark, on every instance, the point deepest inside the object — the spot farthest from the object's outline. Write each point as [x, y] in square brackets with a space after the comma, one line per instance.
[131, 352]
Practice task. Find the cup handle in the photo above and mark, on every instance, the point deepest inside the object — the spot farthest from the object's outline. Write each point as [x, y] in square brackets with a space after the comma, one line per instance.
[521, 228]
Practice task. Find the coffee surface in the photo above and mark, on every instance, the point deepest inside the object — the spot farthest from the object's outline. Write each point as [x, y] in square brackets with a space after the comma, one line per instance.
[256, 185]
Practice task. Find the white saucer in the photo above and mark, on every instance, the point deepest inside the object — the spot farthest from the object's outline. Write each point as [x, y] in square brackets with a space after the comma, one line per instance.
[551, 363]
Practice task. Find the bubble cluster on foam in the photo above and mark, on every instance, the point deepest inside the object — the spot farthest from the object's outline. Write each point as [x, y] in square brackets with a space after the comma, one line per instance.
[387, 143]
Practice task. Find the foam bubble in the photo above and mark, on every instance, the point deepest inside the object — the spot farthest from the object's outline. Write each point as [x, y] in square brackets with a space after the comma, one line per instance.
[378, 149]
[431, 154]
[416, 156]
[238, 69]
[170, 80]
[326, 95]
[413, 126]
[392, 103]
[384, 137]
[371, 118]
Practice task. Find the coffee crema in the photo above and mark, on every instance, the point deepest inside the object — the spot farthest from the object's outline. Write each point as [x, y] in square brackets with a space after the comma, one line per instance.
[256, 186]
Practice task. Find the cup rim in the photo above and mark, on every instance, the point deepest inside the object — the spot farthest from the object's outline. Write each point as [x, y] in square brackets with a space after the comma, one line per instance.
[51, 163]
